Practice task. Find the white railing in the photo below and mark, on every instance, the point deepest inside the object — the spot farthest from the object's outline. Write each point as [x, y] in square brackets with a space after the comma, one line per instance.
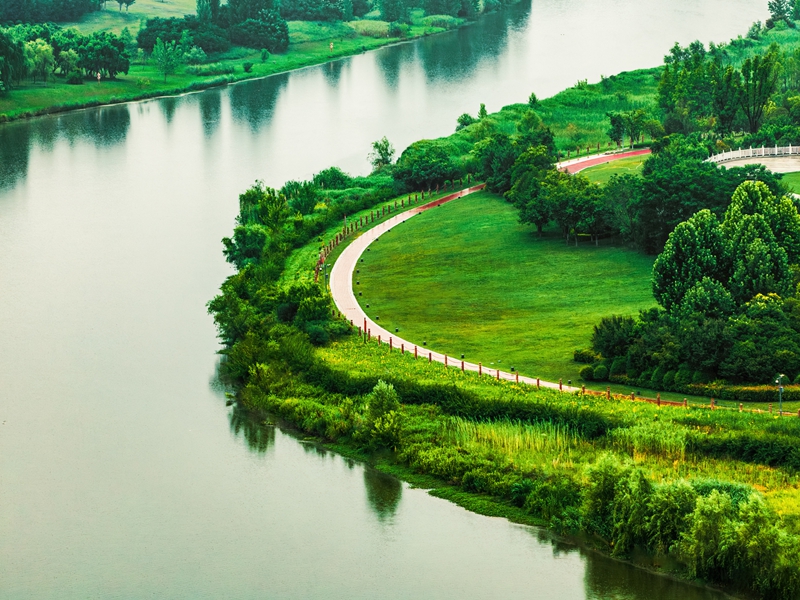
[763, 151]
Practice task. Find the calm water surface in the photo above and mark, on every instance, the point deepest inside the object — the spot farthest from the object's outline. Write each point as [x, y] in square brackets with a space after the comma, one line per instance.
[122, 472]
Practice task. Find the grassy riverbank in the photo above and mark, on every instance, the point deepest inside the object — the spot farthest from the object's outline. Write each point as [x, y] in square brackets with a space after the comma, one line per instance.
[309, 45]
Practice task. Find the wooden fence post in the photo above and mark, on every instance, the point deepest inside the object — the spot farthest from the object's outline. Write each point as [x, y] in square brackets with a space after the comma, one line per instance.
[560, 386]
[480, 369]
[415, 352]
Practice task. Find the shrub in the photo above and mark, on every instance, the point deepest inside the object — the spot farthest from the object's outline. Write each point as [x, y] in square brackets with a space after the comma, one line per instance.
[210, 69]
[75, 77]
[264, 55]
[657, 377]
[195, 56]
[247, 66]
[617, 367]
[601, 373]
[613, 336]
[587, 373]
[585, 356]
[398, 30]
[669, 380]
[683, 376]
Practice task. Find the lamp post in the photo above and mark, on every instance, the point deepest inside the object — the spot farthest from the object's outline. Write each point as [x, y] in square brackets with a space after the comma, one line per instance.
[779, 383]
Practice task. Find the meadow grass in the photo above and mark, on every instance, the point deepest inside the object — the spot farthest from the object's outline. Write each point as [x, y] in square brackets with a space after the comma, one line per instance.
[623, 166]
[467, 278]
[657, 439]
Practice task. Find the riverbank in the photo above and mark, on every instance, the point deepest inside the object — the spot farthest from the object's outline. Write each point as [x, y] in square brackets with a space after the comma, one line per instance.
[310, 45]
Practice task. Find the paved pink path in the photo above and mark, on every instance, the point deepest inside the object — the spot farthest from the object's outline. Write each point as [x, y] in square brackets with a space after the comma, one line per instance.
[342, 282]
[580, 164]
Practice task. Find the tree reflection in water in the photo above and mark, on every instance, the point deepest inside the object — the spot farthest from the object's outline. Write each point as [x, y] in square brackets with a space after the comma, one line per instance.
[383, 493]
[258, 433]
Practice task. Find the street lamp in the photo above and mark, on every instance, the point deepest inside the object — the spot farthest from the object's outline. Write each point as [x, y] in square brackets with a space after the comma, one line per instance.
[779, 383]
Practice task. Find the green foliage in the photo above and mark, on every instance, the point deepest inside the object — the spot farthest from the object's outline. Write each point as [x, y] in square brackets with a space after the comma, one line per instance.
[382, 154]
[167, 57]
[333, 178]
[424, 165]
[269, 31]
[587, 373]
[601, 373]
[585, 356]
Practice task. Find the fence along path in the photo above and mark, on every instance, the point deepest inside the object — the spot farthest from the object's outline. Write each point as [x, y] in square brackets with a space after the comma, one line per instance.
[341, 285]
[764, 151]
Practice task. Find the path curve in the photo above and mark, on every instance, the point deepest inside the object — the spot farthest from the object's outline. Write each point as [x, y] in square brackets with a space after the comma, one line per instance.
[579, 164]
[341, 282]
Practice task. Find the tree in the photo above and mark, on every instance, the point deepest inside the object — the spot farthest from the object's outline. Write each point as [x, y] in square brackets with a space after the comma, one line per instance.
[39, 55]
[727, 90]
[616, 131]
[103, 52]
[12, 60]
[394, 10]
[527, 193]
[269, 31]
[424, 165]
[167, 57]
[759, 79]
[695, 249]
[203, 9]
[779, 10]
[382, 154]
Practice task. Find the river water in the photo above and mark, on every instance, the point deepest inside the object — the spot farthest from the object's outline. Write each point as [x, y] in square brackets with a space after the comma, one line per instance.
[122, 472]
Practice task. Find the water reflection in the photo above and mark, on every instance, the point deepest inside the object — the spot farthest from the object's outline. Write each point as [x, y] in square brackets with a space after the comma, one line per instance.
[210, 110]
[15, 147]
[383, 493]
[391, 60]
[254, 102]
[333, 71]
[168, 106]
[258, 433]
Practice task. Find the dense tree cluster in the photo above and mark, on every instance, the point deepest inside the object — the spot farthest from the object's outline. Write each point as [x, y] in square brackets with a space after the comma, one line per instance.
[727, 290]
[39, 11]
[36, 51]
[699, 91]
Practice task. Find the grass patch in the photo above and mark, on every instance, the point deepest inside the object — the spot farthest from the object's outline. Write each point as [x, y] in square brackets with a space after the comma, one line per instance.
[623, 166]
[792, 180]
[468, 278]
[112, 19]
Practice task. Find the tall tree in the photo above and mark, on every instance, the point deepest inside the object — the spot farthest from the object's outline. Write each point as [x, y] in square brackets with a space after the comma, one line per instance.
[759, 79]
[167, 57]
[382, 154]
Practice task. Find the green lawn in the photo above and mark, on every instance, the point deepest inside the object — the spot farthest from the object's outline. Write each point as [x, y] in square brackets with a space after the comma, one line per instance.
[468, 278]
[623, 166]
[112, 19]
[793, 181]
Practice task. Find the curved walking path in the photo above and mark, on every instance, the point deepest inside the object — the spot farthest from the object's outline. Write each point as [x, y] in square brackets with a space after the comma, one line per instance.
[341, 283]
[579, 164]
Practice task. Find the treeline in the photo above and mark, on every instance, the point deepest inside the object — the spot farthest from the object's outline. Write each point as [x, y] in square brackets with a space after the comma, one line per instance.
[727, 291]
[37, 51]
[39, 11]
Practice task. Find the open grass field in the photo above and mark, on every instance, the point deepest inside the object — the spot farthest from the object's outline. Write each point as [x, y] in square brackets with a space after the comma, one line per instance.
[111, 18]
[623, 166]
[467, 278]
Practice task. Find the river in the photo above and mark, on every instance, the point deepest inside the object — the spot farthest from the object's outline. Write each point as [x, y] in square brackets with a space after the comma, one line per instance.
[123, 474]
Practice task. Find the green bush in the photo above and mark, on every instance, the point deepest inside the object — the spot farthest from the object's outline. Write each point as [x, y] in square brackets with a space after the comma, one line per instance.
[75, 77]
[585, 356]
[617, 367]
[657, 377]
[587, 373]
[601, 373]
[683, 376]
[669, 380]
[210, 69]
[247, 66]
